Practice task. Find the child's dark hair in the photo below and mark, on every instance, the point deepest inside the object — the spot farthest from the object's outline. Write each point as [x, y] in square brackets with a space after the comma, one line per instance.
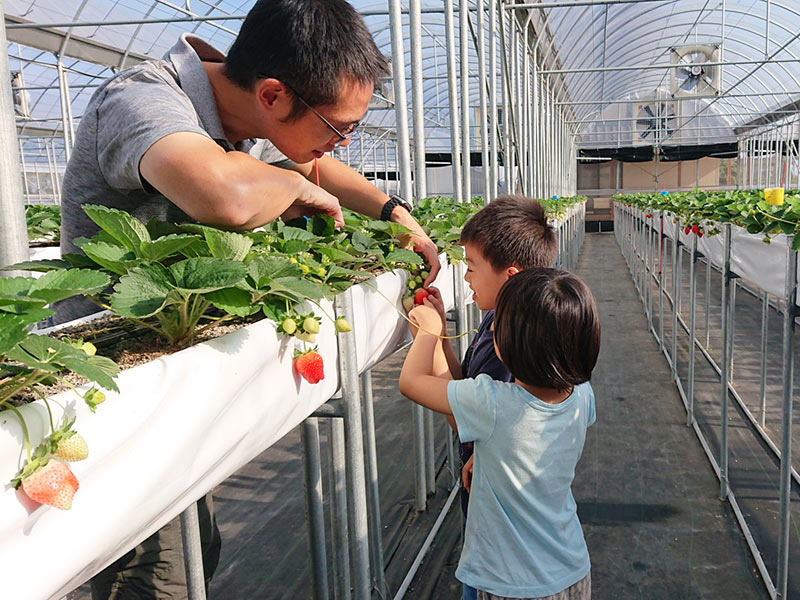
[512, 231]
[547, 329]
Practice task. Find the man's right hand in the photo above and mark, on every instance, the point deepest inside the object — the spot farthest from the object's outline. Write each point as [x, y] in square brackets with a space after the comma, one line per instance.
[311, 200]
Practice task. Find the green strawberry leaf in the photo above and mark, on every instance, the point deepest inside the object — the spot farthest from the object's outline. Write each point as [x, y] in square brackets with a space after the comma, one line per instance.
[42, 266]
[226, 244]
[204, 274]
[58, 285]
[113, 257]
[143, 291]
[234, 301]
[123, 227]
[404, 256]
[166, 246]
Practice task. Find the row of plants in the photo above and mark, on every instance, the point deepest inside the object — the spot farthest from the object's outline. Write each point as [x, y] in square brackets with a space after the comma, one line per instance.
[180, 280]
[703, 211]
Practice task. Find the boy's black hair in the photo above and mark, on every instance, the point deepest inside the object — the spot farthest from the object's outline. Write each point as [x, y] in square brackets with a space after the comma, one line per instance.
[546, 328]
[512, 231]
[309, 45]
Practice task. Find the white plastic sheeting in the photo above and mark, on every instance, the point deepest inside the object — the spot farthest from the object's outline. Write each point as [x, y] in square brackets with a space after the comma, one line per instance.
[179, 426]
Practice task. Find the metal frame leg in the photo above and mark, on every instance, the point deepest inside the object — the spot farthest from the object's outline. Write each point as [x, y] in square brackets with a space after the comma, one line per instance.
[312, 468]
[193, 553]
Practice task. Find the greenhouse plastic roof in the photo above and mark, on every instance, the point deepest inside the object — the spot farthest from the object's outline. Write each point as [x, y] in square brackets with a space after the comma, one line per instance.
[606, 61]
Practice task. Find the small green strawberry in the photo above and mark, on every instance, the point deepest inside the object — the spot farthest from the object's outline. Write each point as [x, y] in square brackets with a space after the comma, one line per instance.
[342, 326]
[93, 397]
[71, 447]
[289, 326]
[408, 303]
[310, 325]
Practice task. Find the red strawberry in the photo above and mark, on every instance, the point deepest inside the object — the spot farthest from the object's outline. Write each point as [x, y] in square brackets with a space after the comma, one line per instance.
[687, 229]
[420, 296]
[649, 216]
[695, 228]
[52, 484]
[72, 448]
[699, 234]
[309, 366]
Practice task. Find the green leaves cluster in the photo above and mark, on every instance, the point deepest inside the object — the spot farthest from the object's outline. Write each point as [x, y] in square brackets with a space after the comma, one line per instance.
[182, 279]
[44, 222]
[745, 208]
[27, 359]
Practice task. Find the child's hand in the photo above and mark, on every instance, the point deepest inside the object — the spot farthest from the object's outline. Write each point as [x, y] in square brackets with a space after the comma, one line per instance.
[466, 473]
[435, 296]
[426, 317]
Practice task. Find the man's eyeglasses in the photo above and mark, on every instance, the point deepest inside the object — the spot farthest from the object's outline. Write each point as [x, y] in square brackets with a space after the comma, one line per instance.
[343, 135]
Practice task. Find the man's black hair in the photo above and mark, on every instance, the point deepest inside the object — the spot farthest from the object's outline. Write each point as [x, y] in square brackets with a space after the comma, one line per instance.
[309, 45]
[546, 328]
[512, 231]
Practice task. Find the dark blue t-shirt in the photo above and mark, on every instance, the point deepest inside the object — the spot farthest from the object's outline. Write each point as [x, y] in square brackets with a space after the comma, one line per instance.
[481, 357]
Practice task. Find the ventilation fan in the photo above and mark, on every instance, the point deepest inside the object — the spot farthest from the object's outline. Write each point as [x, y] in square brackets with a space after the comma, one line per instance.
[691, 73]
[654, 121]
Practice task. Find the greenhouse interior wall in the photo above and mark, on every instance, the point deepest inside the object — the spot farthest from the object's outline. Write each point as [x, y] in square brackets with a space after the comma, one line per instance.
[663, 138]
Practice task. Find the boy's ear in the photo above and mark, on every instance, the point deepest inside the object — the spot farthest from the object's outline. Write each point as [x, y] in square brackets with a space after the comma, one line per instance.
[513, 270]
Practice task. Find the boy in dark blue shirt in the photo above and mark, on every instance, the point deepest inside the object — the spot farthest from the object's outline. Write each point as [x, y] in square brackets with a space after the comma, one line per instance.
[507, 236]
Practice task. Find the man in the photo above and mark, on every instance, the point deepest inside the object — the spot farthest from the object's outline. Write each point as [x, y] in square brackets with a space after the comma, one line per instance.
[170, 139]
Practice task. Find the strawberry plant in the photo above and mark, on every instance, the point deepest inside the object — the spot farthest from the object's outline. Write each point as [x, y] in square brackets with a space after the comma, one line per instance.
[43, 222]
[30, 363]
[705, 210]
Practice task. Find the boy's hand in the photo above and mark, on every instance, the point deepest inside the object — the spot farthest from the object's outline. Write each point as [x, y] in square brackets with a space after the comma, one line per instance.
[466, 473]
[435, 297]
[426, 317]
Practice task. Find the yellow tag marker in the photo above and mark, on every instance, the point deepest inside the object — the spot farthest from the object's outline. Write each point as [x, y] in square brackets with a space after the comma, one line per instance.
[774, 196]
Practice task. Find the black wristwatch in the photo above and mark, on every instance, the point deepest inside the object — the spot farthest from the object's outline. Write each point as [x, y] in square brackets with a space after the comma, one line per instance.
[394, 200]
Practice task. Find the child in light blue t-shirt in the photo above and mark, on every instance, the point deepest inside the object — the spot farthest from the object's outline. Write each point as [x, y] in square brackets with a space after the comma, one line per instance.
[523, 538]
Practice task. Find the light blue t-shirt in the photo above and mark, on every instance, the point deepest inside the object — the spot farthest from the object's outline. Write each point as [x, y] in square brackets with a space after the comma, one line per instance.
[523, 538]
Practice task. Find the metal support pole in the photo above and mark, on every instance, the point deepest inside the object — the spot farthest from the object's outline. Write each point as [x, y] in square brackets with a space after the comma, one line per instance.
[725, 370]
[376, 526]
[483, 120]
[662, 247]
[452, 89]
[192, 553]
[790, 311]
[762, 418]
[494, 132]
[692, 330]
[340, 535]
[312, 468]
[354, 450]
[420, 188]
[708, 301]
[465, 137]
[430, 453]
[417, 98]
[14, 236]
[675, 291]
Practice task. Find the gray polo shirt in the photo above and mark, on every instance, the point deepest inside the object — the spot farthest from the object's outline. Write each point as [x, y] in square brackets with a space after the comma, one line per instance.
[124, 118]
